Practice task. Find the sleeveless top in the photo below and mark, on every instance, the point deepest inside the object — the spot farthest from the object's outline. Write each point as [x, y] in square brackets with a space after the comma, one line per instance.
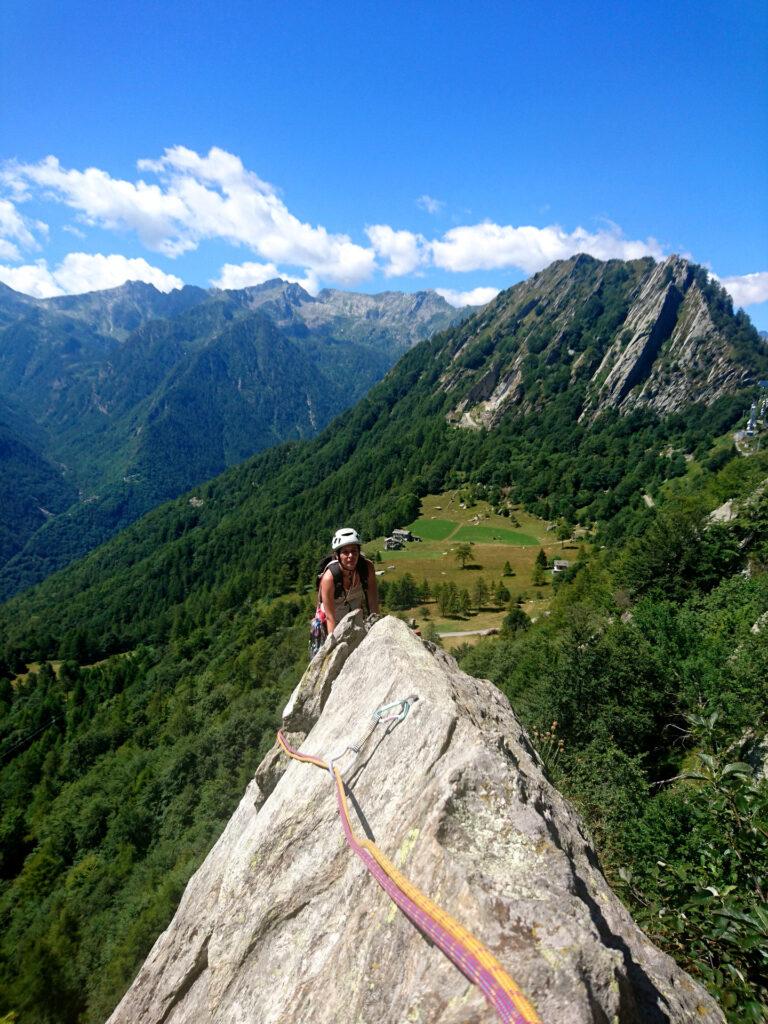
[349, 600]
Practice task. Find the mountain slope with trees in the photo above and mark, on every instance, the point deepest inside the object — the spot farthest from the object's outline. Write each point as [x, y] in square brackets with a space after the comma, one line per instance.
[117, 777]
[260, 524]
[133, 395]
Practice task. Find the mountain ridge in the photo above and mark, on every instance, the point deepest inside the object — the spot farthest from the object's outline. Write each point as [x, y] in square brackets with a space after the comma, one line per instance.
[401, 442]
[628, 334]
[559, 341]
[181, 637]
[94, 373]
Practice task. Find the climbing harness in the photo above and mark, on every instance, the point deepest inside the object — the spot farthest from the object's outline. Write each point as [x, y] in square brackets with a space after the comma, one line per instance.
[471, 957]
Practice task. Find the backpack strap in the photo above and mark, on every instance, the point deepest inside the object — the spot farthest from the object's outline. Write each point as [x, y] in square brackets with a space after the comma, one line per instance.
[338, 580]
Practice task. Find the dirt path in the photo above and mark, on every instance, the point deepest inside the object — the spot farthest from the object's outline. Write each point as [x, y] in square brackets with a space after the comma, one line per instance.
[490, 631]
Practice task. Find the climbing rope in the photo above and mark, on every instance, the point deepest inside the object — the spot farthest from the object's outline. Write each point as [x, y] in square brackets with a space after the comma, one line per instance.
[461, 947]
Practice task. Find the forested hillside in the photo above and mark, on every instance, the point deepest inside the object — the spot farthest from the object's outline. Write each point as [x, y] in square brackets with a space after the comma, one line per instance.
[117, 777]
[259, 526]
[130, 396]
[646, 693]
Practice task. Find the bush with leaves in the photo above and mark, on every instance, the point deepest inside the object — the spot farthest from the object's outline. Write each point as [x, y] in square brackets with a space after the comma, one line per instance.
[706, 898]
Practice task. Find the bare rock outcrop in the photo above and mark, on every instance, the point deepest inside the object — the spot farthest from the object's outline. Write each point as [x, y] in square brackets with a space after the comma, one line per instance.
[283, 924]
[635, 334]
[670, 314]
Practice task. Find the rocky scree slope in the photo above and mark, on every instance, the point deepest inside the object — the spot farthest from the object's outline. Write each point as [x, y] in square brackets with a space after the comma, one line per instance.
[627, 335]
[283, 924]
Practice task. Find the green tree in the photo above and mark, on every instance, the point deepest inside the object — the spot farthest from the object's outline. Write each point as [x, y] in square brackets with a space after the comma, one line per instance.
[463, 553]
[515, 620]
[564, 532]
[480, 593]
[448, 599]
[430, 633]
[508, 569]
[538, 574]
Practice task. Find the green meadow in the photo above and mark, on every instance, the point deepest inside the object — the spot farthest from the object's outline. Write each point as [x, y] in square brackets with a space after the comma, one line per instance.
[443, 524]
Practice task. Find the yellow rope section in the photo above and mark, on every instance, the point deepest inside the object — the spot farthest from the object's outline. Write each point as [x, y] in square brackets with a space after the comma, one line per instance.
[450, 924]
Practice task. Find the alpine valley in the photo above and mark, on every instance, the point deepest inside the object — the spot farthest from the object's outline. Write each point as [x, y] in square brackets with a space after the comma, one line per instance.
[114, 401]
[142, 684]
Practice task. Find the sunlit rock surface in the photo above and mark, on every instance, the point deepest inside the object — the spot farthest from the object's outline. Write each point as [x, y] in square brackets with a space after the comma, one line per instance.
[283, 924]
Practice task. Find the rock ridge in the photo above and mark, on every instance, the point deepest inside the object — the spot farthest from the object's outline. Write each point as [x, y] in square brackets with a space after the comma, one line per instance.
[624, 334]
[281, 924]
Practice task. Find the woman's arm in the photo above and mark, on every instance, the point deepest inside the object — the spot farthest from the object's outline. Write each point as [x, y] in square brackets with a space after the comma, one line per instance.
[373, 588]
[326, 596]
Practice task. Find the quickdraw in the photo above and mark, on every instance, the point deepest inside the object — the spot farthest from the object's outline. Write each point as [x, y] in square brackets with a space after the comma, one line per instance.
[471, 957]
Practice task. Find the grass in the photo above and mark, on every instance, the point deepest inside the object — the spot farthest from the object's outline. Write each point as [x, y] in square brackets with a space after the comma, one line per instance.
[492, 535]
[34, 666]
[442, 525]
[433, 529]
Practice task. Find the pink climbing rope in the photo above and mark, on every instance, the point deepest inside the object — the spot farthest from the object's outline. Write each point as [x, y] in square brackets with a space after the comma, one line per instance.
[474, 961]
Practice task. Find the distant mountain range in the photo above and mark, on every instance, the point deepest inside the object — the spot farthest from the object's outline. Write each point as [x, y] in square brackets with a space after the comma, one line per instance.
[574, 393]
[114, 401]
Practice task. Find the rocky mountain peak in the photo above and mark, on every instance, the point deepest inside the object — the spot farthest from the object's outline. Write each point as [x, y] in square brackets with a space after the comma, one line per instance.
[627, 333]
[283, 924]
[276, 291]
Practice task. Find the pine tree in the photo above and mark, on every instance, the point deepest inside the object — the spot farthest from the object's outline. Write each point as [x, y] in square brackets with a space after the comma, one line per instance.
[480, 593]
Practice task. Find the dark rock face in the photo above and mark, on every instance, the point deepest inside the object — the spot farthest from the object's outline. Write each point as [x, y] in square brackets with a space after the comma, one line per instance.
[661, 330]
[283, 924]
[674, 353]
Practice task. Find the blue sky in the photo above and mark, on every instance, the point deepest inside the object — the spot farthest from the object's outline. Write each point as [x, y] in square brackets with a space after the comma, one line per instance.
[457, 146]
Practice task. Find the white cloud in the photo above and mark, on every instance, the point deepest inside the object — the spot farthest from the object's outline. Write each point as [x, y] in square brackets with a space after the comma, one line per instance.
[430, 204]
[13, 230]
[31, 279]
[198, 198]
[490, 246]
[247, 275]
[747, 290]
[9, 251]
[105, 201]
[403, 251]
[474, 297]
[84, 272]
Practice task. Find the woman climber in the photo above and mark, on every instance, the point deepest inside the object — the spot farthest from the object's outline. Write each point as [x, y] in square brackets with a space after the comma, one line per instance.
[347, 581]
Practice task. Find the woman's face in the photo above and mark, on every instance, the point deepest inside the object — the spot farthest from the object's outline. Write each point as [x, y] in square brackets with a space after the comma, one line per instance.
[348, 556]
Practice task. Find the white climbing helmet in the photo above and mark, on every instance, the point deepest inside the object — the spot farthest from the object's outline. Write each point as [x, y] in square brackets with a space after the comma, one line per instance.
[345, 536]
